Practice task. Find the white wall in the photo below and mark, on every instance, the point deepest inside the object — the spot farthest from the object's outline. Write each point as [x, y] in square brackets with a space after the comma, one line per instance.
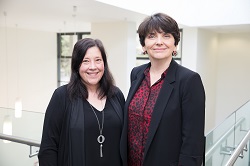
[189, 48]
[233, 73]
[199, 54]
[28, 63]
[207, 66]
[119, 39]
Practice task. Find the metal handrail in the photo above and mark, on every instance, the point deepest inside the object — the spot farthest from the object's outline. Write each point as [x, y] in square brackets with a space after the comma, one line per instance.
[213, 148]
[21, 140]
[229, 116]
[237, 152]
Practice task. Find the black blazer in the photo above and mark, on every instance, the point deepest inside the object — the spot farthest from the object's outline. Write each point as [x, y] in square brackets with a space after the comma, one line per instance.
[176, 132]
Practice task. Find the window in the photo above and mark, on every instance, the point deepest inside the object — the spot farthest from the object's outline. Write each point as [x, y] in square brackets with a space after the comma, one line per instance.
[65, 45]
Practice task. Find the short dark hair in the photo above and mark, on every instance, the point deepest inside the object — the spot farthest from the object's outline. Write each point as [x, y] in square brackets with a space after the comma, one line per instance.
[158, 22]
[76, 88]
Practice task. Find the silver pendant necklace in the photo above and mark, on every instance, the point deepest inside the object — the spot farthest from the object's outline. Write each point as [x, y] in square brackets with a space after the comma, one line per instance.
[100, 138]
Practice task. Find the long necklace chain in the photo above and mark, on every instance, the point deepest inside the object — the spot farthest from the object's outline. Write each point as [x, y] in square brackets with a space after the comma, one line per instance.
[100, 138]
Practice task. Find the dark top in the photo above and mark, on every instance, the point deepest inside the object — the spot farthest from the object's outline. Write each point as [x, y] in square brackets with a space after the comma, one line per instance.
[111, 132]
[63, 138]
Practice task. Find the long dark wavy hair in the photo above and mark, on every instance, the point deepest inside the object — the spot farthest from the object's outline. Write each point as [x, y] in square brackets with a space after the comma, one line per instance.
[158, 22]
[76, 87]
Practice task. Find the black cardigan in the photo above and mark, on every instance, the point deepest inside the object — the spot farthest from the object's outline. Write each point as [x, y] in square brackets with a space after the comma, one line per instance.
[61, 115]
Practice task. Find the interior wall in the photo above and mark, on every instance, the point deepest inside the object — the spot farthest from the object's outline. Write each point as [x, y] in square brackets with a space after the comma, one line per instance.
[28, 68]
[119, 40]
[189, 48]
[207, 52]
[233, 81]
[199, 51]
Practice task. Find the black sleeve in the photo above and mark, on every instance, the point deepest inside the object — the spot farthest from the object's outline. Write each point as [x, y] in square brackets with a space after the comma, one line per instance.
[48, 152]
[193, 118]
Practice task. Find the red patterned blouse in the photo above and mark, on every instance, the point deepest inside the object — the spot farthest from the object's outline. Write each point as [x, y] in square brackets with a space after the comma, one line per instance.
[139, 116]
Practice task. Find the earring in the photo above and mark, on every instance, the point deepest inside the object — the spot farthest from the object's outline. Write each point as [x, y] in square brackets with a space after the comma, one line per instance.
[174, 53]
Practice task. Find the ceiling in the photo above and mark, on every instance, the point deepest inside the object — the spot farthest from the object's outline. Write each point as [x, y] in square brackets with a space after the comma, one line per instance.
[77, 15]
[61, 15]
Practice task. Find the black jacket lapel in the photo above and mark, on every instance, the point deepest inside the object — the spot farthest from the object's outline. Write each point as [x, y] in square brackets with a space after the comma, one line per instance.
[161, 103]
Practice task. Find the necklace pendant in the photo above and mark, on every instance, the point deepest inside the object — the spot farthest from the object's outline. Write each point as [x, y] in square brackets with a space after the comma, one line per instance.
[100, 139]
[101, 154]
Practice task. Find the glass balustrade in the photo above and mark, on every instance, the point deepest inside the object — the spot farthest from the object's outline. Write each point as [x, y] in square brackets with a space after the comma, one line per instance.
[28, 126]
[222, 141]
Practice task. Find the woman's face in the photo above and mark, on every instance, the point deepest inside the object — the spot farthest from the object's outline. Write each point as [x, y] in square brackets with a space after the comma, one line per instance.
[159, 46]
[92, 68]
